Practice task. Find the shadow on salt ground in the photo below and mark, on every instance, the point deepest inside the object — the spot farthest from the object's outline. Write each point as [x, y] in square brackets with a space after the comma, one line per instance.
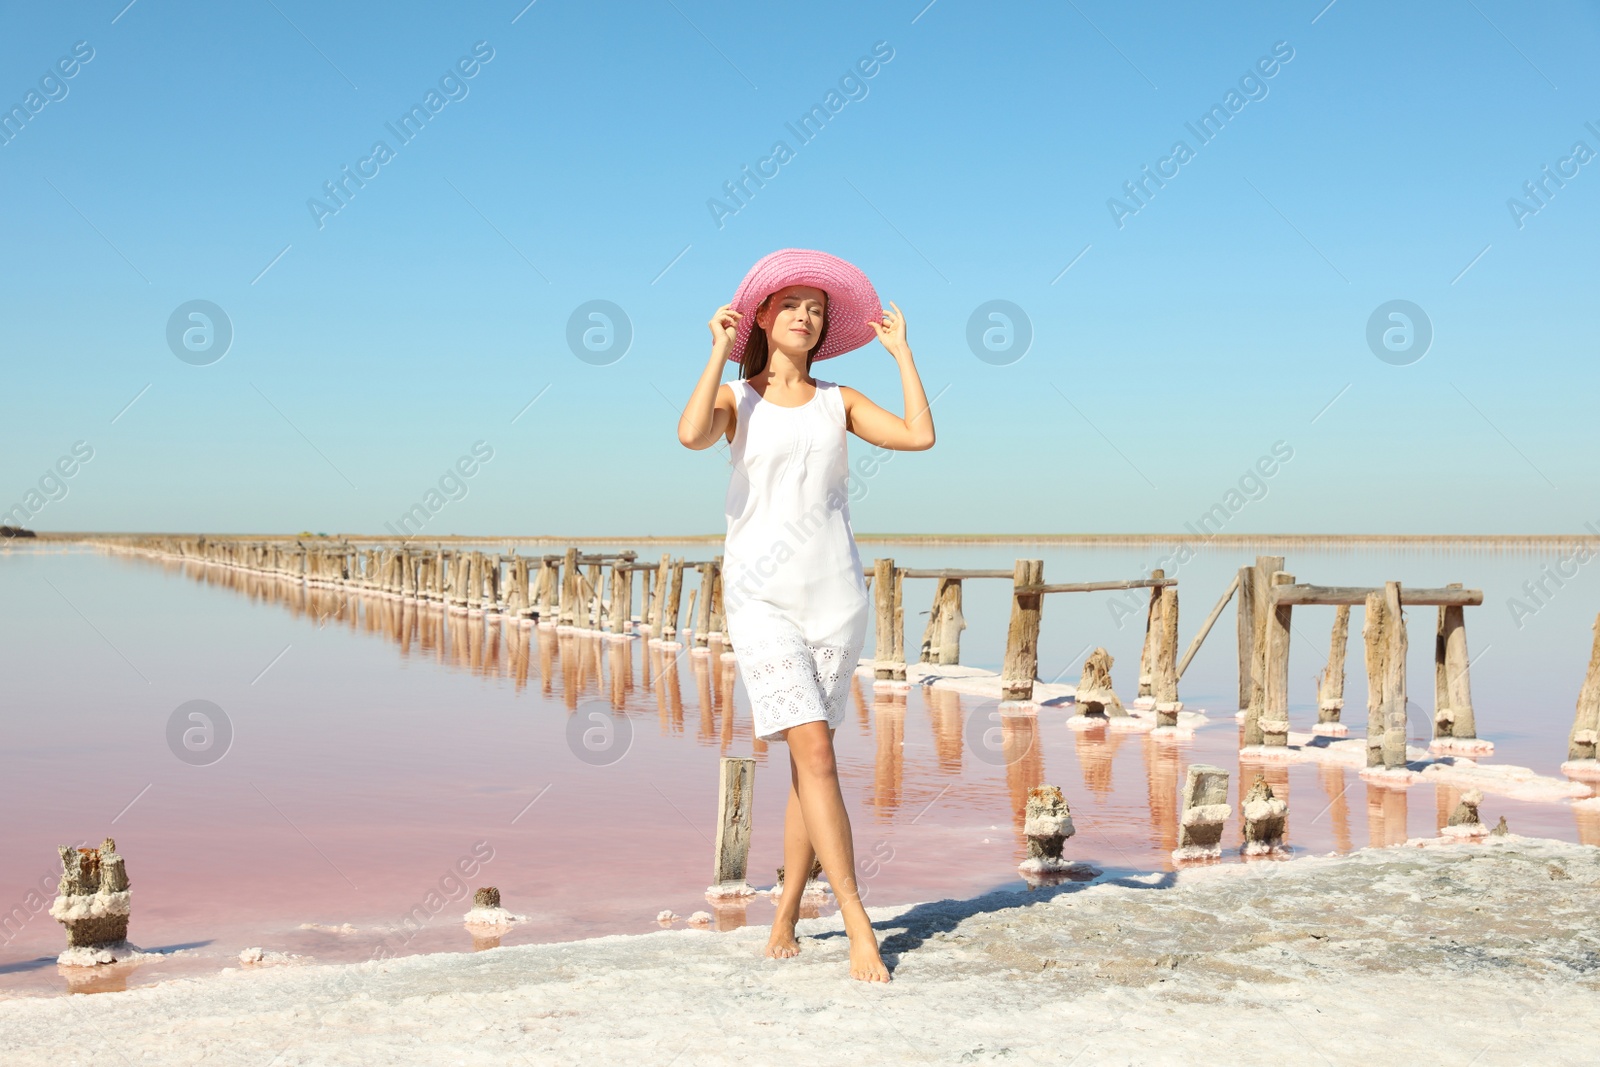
[46, 961]
[920, 922]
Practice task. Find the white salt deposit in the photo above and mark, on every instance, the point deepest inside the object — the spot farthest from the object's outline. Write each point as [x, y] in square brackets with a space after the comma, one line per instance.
[1304, 960]
[492, 917]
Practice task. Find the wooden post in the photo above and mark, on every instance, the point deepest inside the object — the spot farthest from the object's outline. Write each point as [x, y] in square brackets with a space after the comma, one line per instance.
[568, 609]
[735, 797]
[941, 640]
[1394, 687]
[591, 605]
[1375, 636]
[1452, 691]
[621, 603]
[1585, 737]
[702, 620]
[658, 599]
[669, 625]
[883, 627]
[1247, 637]
[898, 671]
[719, 619]
[1330, 683]
[1095, 694]
[1164, 665]
[1274, 719]
[1152, 623]
[1022, 635]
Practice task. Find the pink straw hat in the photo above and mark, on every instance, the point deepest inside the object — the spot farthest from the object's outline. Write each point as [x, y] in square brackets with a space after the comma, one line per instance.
[851, 298]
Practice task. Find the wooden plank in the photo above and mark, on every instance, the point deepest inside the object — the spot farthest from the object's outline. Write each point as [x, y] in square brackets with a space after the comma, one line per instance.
[1095, 587]
[1205, 627]
[952, 572]
[735, 799]
[1357, 594]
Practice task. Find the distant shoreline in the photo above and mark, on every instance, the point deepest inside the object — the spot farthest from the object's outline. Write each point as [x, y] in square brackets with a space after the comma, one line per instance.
[1082, 540]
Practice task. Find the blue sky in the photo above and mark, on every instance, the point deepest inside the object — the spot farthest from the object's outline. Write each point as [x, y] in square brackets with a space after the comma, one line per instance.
[1227, 316]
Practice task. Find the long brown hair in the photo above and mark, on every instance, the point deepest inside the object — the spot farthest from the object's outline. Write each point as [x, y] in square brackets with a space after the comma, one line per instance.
[753, 358]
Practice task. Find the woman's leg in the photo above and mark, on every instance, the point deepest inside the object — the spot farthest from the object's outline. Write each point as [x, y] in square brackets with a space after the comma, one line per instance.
[798, 856]
[816, 780]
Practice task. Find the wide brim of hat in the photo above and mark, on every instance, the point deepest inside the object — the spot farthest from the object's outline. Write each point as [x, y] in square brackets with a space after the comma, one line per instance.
[852, 300]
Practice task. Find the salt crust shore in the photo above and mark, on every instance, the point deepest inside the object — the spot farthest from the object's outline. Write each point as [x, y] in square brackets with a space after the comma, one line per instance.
[1454, 953]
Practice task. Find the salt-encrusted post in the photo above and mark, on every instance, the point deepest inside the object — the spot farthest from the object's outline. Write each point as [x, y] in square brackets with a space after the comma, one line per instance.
[1164, 666]
[1585, 736]
[1205, 812]
[735, 797]
[1452, 690]
[93, 903]
[1048, 825]
[1095, 696]
[1274, 719]
[898, 671]
[1022, 635]
[1264, 818]
[1152, 639]
[1330, 683]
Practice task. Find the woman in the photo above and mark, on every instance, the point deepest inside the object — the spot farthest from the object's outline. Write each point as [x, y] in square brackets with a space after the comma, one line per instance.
[793, 590]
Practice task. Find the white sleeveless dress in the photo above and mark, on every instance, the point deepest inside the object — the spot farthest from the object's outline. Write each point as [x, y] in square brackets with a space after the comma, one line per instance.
[794, 595]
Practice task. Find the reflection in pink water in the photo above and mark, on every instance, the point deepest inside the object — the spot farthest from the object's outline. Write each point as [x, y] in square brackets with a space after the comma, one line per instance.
[361, 802]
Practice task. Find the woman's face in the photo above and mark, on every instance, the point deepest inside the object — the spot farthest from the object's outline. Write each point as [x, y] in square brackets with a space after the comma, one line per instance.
[793, 318]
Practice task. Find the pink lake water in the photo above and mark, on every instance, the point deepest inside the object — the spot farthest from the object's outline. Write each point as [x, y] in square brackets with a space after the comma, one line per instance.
[378, 748]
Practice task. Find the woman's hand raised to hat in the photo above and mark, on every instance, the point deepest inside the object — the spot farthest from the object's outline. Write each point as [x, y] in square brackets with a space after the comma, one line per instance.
[724, 328]
[892, 331]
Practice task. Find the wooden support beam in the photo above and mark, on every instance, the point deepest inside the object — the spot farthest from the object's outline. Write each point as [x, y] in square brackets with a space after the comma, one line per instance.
[1205, 627]
[1353, 594]
[1094, 587]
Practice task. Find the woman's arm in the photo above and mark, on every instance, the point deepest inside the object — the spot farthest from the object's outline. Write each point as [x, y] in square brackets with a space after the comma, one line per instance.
[710, 410]
[868, 421]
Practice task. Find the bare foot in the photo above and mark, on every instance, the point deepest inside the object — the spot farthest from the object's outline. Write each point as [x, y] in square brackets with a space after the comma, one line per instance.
[782, 943]
[865, 962]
